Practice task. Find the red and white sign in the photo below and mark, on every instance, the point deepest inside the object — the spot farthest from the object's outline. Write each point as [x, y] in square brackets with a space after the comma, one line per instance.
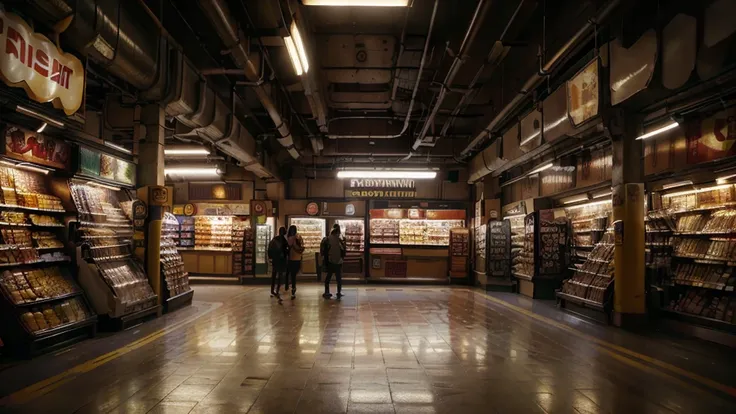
[31, 61]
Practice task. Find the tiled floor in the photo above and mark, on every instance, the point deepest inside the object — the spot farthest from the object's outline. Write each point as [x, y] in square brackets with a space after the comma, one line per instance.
[381, 350]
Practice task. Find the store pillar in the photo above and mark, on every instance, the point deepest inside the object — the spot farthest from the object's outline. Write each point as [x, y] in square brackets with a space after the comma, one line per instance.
[151, 192]
[628, 215]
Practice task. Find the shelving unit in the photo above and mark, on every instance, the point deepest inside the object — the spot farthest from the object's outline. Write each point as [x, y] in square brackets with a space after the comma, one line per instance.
[353, 232]
[696, 230]
[264, 234]
[42, 305]
[248, 251]
[459, 252]
[240, 226]
[186, 231]
[517, 256]
[115, 282]
[385, 231]
[177, 292]
[213, 233]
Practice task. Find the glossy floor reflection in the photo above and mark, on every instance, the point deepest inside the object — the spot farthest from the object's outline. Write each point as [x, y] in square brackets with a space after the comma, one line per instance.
[379, 350]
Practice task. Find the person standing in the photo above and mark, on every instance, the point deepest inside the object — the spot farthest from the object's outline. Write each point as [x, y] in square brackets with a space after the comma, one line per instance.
[278, 252]
[335, 253]
[296, 248]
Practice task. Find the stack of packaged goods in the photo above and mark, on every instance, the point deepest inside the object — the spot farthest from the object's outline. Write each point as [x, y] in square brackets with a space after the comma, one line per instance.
[177, 280]
[385, 231]
[592, 280]
[213, 233]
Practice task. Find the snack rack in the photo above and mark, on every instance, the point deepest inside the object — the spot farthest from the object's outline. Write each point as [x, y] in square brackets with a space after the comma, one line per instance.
[699, 226]
[459, 252]
[185, 238]
[176, 292]
[43, 307]
[240, 225]
[115, 282]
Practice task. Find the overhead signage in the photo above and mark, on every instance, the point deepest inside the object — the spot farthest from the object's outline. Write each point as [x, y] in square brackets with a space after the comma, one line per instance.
[583, 93]
[32, 62]
[712, 138]
[380, 188]
[97, 164]
[29, 146]
[259, 208]
[216, 209]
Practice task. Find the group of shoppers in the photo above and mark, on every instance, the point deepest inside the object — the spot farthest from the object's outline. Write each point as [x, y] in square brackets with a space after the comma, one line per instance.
[285, 252]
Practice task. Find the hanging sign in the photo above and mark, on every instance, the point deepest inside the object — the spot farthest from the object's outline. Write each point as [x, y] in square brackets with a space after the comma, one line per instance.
[312, 209]
[29, 146]
[97, 164]
[32, 62]
[582, 94]
[712, 138]
[259, 208]
[380, 188]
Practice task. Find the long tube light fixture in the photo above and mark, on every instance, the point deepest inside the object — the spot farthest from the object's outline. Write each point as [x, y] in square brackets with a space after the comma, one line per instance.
[575, 200]
[42, 127]
[358, 3]
[186, 151]
[725, 179]
[387, 174]
[591, 204]
[297, 51]
[698, 190]
[105, 186]
[117, 147]
[294, 55]
[513, 216]
[192, 171]
[26, 167]
[30, 112]
[677, 184]
[540, 169]
[658, 131]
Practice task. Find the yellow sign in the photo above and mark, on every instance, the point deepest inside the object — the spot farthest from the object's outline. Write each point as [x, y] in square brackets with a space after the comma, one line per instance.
[32, 62]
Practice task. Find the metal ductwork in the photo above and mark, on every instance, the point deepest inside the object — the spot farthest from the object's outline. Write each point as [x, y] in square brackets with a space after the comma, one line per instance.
[536, 79]
[127, 40]
[218, 13]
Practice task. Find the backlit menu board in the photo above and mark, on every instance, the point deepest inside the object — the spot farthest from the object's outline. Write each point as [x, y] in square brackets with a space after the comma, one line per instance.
[94, 163]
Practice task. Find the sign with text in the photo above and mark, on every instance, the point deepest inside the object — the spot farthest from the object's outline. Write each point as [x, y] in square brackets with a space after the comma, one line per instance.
[215, 209]
[582, 94]
[32, 62]
[30, 146]
[380, 188]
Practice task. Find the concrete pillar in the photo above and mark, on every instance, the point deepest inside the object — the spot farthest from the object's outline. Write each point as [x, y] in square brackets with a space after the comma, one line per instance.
[628, 216]
[151, 181]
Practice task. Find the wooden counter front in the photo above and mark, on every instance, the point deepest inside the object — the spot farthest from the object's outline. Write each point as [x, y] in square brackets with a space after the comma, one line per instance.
[207, 262]
[411, 263]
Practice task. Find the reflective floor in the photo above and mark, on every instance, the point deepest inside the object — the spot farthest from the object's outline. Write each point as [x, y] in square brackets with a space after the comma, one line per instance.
[378, 350]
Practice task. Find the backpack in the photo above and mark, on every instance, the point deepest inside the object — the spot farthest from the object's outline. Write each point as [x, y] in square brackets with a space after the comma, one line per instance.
[275, 249]
[324, 247]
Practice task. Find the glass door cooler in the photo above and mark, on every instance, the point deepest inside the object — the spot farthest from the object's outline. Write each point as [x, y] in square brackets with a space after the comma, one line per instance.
[312, 230]
[353, 232]
[264, 234]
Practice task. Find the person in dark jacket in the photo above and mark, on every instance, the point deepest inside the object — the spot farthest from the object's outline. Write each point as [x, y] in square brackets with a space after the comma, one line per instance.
[335, 250]
[278, 252]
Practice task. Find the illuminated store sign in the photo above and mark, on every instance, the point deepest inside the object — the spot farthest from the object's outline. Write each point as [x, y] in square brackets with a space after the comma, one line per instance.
[380, 188]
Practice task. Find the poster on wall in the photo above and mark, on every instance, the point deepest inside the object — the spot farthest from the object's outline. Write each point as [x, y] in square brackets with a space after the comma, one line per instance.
[98, 164]
[583, 94]
[712, 138]
[30, 146]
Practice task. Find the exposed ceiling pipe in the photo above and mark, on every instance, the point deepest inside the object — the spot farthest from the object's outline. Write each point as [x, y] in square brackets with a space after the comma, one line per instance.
[413, 94]
[218, 12]
[495, 56]
[402, 46]
[538, 77]
[473, 28]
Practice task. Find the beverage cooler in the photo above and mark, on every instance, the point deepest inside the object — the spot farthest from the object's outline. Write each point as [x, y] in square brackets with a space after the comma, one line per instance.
[312, 230]
[264, 234]
[353, 232]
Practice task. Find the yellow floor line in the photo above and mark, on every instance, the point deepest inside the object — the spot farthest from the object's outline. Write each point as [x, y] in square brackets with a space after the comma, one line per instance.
[49, 384]
[627, 352]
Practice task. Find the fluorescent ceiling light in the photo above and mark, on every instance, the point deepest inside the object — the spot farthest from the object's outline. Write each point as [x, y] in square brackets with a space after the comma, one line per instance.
[699, 190]
[356, 3]
[575, 200]
[725, 179]
[300, 47]
[529, 138]
[100, 185]
[540, 169]
[194, 172]
[514, 216]
[294, 55]
[677, 184]
[117, 147]
[386, 174]
[42, 127]
[592, 204]
[26, 167]
[186, 151]
[659, 130]
[601, 195]
[30, 112]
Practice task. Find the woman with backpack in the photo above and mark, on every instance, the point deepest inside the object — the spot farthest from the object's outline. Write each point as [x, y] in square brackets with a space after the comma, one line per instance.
[278, 252]
[296, 248]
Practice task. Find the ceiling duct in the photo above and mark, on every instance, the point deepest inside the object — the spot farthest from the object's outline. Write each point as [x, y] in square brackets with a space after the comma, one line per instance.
[128, 41]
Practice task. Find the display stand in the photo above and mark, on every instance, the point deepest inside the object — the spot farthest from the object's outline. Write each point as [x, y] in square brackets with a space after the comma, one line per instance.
[116, 284]
[499, 256]
[240, 226]
[459, 252]
[312, 230]
[264, 234]
[43, 307]
[353, 232]
[175, 279]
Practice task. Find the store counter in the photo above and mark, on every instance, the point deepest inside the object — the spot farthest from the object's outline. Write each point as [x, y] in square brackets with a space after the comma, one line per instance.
[409, 263]
[207, 261]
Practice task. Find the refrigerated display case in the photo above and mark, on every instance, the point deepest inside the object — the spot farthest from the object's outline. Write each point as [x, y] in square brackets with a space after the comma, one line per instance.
[264, 234]
[312, 230]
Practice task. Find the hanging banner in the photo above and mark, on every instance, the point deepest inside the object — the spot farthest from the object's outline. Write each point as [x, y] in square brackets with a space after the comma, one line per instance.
[29, 146]
[32, 62]
[215, 209]
[583, 94]
[98, 164]
[380, 188]
[712, 138]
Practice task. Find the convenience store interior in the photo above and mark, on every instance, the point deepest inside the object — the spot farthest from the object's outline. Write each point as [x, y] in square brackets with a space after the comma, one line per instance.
[534, 204]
